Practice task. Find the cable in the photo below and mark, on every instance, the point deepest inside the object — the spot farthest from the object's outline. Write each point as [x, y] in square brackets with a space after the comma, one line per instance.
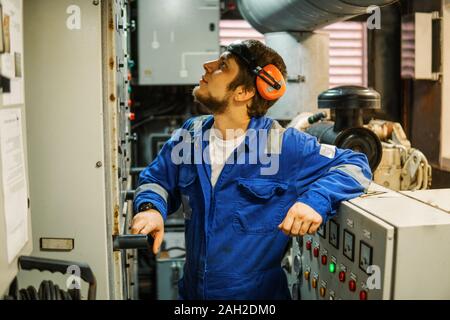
[48, 291]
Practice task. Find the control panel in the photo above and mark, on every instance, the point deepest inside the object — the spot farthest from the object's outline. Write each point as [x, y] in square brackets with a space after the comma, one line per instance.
[375, 249]
[335, 261]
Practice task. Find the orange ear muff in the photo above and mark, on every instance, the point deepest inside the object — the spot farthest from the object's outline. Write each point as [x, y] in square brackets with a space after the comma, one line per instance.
[267, 91]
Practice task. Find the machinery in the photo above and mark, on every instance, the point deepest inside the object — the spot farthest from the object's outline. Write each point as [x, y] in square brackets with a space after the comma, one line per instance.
[395, 164]
[375, 249]
[347, 131]
[402, 167]
[78, 126]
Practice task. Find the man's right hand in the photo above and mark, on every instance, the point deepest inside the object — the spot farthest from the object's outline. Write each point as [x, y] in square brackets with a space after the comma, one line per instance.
[149, 222]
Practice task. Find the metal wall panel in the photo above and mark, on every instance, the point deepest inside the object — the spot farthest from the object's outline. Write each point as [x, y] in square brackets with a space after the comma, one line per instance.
[78, 118]
[175, 38]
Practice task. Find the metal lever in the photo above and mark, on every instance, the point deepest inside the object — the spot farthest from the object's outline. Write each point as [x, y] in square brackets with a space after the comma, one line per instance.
[136, 171]
[129, 195]
[131, 241]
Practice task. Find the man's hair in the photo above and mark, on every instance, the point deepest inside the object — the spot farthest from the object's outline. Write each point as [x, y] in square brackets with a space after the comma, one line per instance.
[263, 56]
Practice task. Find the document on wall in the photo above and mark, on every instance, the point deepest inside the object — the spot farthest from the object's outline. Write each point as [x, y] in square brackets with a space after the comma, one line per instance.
[11, 57]
[14, 182]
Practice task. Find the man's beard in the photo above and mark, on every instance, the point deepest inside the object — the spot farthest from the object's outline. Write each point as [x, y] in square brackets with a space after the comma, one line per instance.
[213, 105]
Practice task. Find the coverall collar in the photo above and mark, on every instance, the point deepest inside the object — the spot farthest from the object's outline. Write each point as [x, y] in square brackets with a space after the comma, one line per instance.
[255, 124]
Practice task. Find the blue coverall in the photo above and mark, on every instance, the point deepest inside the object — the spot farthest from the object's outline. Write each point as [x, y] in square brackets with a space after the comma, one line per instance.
[233, 245]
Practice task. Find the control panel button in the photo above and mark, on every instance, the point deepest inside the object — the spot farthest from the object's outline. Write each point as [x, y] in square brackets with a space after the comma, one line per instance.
[323, 291]
[308, 245]
[316, 252]
[352, 285]
[324, 259]
[363, 295]
[342, 276]
[306, 275]
[332, 267]
[314, 283]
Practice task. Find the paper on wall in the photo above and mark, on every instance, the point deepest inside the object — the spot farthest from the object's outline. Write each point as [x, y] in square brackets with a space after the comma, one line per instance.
[14, 183]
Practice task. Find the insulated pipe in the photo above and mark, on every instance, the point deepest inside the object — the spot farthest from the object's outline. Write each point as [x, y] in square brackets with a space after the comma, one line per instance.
[302, 15]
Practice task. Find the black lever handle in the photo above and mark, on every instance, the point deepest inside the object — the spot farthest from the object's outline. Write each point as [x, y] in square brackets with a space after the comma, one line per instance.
[129, 195]
[131, 241]
[61, 266]
[136, 171]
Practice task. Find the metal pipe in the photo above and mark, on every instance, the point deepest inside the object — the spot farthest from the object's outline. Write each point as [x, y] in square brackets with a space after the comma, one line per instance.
[302, 15]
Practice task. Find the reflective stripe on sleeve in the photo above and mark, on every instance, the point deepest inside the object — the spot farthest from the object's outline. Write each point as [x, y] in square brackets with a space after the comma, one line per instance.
[156, 188]
[355, 172]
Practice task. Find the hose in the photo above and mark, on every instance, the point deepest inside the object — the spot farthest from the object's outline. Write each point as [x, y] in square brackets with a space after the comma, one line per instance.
[48, 291]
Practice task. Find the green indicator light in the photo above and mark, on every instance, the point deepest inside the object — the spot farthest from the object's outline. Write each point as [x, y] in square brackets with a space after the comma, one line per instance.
[332, 267]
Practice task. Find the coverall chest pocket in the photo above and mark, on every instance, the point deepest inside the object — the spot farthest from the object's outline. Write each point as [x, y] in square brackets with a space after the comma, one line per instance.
[186, 183]
[187, 176]
[261, 205]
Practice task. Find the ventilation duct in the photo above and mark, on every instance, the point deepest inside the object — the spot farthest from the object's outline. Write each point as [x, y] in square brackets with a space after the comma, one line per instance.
[302, 15]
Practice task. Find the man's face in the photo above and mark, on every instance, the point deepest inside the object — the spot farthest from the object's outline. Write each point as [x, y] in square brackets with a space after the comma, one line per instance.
[213, 90]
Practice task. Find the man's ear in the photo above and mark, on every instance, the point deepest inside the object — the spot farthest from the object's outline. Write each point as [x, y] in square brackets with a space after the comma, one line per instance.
[241, 94]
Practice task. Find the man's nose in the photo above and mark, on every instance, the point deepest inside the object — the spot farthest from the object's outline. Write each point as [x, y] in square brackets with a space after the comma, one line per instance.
[210, 66]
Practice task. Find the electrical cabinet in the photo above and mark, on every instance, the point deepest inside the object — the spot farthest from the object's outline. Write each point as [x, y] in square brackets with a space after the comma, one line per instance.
[79, 136]
[175, 38]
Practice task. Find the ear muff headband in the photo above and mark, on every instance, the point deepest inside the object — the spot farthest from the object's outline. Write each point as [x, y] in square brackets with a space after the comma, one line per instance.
[269, 79]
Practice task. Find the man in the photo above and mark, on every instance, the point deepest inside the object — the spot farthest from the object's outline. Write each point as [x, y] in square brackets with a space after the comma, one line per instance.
[254, 185]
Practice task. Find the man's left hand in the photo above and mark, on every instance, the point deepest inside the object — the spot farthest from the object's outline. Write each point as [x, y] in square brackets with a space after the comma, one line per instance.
[300, 220]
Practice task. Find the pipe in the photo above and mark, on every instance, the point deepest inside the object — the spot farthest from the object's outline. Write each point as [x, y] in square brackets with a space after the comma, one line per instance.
[302, 15]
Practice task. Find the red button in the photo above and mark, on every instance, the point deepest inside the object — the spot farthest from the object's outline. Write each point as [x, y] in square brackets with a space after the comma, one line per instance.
[363, 295]
[132, 116]
[316, 252]
[324, 259]
[352, 285]
[308, 245]
[342, 276]
[130, 103]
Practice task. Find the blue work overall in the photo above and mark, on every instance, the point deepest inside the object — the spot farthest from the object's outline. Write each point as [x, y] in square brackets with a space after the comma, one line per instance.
[233, 245]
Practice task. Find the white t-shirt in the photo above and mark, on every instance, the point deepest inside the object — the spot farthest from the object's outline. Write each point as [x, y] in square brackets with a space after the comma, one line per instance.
[219, 151]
